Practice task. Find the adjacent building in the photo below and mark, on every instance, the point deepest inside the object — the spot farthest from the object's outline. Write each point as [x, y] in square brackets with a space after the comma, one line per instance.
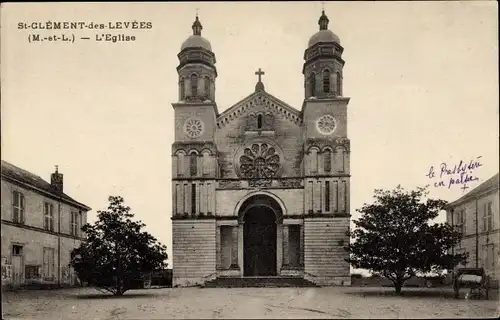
[41, 225]
[477, 216]
[261, 189]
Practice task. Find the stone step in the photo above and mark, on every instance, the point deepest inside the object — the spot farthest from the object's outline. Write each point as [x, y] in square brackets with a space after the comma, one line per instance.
[258, 282]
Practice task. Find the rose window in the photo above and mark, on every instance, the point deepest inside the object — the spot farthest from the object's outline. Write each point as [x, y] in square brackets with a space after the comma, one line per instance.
[193, 128]
[259, 161]
[326, 124]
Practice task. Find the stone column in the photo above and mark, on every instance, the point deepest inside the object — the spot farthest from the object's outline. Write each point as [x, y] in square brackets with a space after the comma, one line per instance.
[240, 248]
[286, 239]
[234, 247]
[279, 248]
[301, 246]
[217, 247]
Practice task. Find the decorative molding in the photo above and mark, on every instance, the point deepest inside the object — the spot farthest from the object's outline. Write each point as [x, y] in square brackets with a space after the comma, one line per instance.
[260, 183]
[260, 159]
[287, 217]
[329, 175]
[326, 124]
[245, 184]
[193, 127]
[191, 217]
[260, 98]
[229, 184]
[199, 146]
[32, 228]
[291, 183]
[332, 143]
[45, 193]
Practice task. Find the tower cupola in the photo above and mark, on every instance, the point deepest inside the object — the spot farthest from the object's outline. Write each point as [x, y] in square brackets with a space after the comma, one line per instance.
[196, 68]
[323, 63]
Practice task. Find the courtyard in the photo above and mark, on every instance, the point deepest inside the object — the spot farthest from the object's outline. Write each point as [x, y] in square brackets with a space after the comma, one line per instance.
[196, 303]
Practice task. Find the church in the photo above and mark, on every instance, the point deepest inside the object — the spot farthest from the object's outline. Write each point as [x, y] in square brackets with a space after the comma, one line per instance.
[261, 189]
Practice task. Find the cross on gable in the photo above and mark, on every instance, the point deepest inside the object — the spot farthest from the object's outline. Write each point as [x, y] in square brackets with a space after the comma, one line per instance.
[260, 73]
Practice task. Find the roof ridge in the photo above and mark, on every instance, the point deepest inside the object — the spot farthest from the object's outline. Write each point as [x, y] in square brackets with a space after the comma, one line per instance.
[24, 170]
[484, 186]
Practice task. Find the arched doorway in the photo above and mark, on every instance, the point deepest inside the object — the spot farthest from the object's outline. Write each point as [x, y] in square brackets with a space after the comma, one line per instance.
[260, 215]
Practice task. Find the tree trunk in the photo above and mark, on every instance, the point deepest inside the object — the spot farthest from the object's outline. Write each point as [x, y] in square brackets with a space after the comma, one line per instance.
[397, 286]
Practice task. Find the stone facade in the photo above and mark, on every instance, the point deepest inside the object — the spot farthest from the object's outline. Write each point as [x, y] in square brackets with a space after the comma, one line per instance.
[477, 216]
[261, 157]
[40, 227]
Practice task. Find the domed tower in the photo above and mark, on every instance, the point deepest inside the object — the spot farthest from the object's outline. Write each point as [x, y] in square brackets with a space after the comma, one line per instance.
[194, 160]
[196, 69]
[326, 162]
[323, 63]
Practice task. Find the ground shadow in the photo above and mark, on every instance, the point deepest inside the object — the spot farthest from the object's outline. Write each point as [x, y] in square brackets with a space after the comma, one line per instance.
[447, 294]
[102, 296]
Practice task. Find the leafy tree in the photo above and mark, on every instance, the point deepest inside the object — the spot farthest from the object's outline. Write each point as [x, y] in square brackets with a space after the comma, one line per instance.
[117, 253]
[393, 237]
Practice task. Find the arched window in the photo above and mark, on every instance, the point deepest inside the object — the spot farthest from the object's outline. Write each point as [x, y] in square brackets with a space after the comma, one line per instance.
[326, 81]
[193, 164]
[314, 161]
[194, 85]
[327, 160]
[207, 87]
[259, 121]
[339, 84]
[313, 84]
[206, 163]
[180, 164]
[183, 89]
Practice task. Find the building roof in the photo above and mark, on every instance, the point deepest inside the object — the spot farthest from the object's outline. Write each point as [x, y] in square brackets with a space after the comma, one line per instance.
[323, 36]
[489, 185]
[196, 41]
[30, 180]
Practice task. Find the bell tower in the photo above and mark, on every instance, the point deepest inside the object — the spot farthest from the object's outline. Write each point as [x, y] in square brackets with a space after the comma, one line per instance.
[326, 162]
[194, 165]
[323, 63]
[194, 159]
[197, 72]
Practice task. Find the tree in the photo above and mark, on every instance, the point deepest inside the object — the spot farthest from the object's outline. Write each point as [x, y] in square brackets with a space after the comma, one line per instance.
[117, 253]
[393, 237]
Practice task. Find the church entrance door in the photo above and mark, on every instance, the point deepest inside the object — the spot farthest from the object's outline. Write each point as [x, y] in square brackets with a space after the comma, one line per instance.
[259, 235]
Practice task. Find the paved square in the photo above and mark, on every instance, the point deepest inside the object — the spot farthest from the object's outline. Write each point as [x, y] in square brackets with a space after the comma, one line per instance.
[332, 302]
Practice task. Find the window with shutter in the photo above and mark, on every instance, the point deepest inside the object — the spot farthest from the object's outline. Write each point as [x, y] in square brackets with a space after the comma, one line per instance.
[74, 224]
[49, 216]
[48, 263]
[18, 207]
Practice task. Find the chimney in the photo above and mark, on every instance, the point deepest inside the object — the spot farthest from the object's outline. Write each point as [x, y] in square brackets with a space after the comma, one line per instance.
[56, 180]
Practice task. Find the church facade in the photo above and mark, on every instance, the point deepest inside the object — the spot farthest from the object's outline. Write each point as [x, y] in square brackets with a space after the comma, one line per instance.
[261, 189]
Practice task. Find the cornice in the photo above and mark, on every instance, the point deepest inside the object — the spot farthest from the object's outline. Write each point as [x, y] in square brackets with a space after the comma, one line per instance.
[45, 193]
[259, 98]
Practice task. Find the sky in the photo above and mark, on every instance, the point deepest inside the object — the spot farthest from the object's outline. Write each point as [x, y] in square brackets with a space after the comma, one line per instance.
[422, 78]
